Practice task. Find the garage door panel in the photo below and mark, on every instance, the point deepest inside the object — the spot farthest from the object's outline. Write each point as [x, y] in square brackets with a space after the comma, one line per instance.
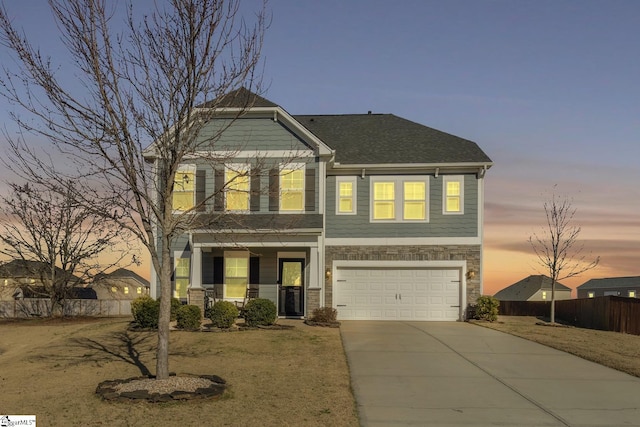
[397, 293]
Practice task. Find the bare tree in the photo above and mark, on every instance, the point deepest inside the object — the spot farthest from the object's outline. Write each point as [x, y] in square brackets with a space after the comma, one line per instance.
[559, 253]
[136, 97]
[58, 240]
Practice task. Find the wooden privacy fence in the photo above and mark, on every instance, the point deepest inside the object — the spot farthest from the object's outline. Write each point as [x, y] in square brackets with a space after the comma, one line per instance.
[31, 307]
[610, 313]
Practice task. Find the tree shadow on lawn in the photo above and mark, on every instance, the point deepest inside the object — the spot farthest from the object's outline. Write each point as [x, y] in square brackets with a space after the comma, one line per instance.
[130, 348]
[119, 346]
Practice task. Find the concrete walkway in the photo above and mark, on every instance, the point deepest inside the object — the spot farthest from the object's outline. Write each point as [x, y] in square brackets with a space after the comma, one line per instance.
[459, 374]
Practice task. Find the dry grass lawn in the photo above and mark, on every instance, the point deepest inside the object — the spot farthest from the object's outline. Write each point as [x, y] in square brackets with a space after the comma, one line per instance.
[613, 349]
[288, 377]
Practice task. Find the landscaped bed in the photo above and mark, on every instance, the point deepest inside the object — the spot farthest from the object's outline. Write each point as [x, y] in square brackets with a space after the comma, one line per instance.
[274, 377]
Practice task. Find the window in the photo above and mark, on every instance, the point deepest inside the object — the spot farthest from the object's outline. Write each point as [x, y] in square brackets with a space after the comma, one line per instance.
[184, 188]
[292, 189]
[114, 289]
[414, 200]
[237, 188]
[631, 294]
[399, 199]
[346, 195]
[591, 295]
[544, 295]
[126, 290]
[139, 290]
[236, 274]
[182, 277]
[453, 194]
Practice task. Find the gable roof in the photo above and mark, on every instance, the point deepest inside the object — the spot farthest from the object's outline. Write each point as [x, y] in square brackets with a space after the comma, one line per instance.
[20, 268]
[239, 98]
[123, 273]
[611, 282]
[386, 138]
[527, 287]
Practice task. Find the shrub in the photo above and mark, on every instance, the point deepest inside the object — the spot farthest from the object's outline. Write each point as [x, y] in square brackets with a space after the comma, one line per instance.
[189, 317]
[223, 314]
[324, 315]
[145, 312]
[487, 308]
[260, 312]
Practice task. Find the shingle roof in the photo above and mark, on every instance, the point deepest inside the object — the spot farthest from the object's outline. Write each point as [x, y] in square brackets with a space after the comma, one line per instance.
[386, 138]
[611, 282]
[19, 268]
[123, 273]
[239, 98]
[527, 287]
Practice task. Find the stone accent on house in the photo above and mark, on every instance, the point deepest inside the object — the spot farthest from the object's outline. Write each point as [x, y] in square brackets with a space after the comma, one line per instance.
[196, 297]
[313, 301]
[470, 254]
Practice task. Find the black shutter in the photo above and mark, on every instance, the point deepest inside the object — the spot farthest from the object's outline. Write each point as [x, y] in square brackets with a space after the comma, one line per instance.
[218, 197]
[310, 190]
[218, 270]
[201, 179]
[254, 200]
[173, 270]
[254, 270]
[207, 268]
[274, 190]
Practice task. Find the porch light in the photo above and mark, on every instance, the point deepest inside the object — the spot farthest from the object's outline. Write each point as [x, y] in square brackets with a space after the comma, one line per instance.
[471, 274]
[327, 274]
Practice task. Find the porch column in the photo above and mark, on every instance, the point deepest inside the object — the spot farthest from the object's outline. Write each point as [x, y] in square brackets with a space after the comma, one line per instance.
[196, 291]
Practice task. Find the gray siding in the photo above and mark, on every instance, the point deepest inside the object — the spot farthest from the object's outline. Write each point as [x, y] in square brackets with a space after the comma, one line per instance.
[439, 225]
[249, 134]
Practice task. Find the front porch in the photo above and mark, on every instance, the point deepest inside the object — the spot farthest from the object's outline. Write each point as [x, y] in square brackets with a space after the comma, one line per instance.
[287, 273]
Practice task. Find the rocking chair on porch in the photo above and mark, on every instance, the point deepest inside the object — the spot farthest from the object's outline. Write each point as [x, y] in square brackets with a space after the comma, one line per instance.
[251, 293]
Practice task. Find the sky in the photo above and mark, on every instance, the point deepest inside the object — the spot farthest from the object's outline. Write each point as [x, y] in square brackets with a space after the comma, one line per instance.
[549, 89]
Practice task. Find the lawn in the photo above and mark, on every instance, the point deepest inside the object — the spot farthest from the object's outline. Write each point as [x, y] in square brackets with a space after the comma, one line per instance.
[286, 377]
[613, 349]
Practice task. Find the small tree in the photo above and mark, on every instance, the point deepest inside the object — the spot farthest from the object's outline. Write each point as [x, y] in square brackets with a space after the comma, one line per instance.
[557, 247]
[58, 239]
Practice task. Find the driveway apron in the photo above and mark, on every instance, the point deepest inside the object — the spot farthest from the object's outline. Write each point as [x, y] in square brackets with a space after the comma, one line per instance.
[459, 374]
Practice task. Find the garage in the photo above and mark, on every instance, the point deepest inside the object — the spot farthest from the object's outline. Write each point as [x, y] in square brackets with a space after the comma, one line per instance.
[397, 292]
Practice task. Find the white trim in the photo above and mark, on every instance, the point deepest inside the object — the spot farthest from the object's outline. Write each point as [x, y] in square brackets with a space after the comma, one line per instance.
[354, 195]
[252, 154]
[398, 181]
[445, 180]
[458, 264]
[481, 231]
[401, 241]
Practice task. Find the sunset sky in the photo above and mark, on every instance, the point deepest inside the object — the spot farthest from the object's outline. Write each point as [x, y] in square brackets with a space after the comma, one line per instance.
[549, 89]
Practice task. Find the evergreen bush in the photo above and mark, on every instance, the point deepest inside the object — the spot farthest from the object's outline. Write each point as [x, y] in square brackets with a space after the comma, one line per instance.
[223, 314]
[145, 311]
[260, 312]
[487, 308]
[189, 317]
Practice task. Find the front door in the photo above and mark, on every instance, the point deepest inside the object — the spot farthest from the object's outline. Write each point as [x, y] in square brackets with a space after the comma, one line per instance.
[291, 273]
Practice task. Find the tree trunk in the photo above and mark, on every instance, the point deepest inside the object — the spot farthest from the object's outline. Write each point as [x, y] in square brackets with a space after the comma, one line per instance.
[164, 319]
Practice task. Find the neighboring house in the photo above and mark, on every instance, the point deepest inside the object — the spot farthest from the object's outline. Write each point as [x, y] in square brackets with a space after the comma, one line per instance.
[616, 286]
[533, 288]
[372, 214]
[121, 284]
[25, 279]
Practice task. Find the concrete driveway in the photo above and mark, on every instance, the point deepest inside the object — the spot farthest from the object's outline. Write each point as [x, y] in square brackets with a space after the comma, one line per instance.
[459, 374]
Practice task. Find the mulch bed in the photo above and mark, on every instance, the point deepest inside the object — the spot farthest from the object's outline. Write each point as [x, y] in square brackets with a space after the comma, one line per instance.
[107, 390]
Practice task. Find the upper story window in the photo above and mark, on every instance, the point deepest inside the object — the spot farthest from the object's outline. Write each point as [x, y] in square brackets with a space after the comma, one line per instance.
[453, 194]
[399, 199]
[346, 195]
[237, 188]
[184, 188]
[292, 188]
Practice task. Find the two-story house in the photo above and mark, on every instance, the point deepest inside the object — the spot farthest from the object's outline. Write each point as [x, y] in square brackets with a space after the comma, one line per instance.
[372, 214]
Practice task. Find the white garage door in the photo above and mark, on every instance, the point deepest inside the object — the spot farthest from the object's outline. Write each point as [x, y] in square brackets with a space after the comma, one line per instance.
[366, 293]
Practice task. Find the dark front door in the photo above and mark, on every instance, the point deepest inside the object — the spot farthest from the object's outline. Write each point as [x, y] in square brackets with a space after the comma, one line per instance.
[291, 273]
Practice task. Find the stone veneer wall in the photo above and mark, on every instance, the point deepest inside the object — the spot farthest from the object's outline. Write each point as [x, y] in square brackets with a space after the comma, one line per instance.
[471, 254]
[313, 301]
